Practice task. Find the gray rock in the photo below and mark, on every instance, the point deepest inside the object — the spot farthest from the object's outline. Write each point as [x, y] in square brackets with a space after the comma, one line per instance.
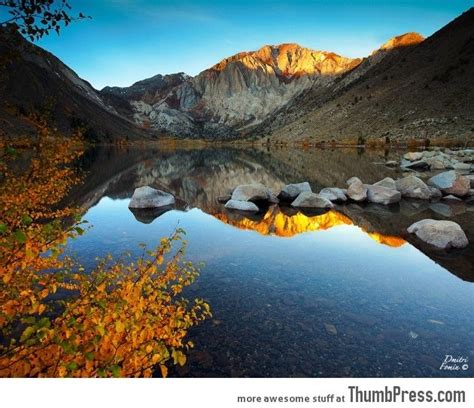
[427, 154]
[291, 191]
[333, 194]
[387, 182]
[462, 166]
[417, 165]
[353, 180]
[450, 182]
[435, 193]
[382, 195]
[413, 187]
[441, 234]
[413, 156]
[357, 191]
[148, 197]
[436, 163]
[311, 200]
[251, 192]
[241, 205]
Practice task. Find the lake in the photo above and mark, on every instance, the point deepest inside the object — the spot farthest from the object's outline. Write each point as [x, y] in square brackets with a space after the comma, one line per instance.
[345, 293]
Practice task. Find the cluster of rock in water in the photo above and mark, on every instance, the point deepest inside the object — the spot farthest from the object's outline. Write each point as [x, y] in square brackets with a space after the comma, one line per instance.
[436, 159]
[448, 185]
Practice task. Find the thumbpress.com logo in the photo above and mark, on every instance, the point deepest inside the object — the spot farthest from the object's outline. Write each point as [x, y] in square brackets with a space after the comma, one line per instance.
[396, 394]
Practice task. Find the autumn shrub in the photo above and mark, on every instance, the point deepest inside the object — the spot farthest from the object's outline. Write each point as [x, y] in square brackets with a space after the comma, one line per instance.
[58, 319]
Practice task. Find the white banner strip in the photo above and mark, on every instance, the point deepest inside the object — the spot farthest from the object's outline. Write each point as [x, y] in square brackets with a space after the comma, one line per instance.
[235, 393]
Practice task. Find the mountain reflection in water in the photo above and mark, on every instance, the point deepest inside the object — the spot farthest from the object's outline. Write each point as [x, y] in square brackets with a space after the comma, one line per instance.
[275, 222]
[197, 177]
[344, 293]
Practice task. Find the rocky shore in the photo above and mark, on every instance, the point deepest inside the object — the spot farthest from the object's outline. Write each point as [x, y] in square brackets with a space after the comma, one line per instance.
[440, 180]
[447, 186]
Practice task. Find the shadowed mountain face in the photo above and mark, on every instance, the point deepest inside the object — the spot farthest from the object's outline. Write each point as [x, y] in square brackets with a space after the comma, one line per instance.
[409, 89]
[33, 82]
[198, 177]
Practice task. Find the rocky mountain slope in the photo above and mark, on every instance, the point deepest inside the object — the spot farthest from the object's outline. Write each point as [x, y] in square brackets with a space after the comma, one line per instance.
[238, 92]
[409, 89]
[36, 84]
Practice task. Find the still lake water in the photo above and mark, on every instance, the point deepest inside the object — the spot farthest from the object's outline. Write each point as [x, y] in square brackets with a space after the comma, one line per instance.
[338, 294]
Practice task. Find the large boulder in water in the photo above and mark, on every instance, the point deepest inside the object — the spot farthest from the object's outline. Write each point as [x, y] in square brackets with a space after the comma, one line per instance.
[241, 205]
[252, 192]
[291, 191]
[148, 197]
[382, 195]
[311, 201]
[333, 194]
[441, 234]
[450, 182]
[414, 187]
[356, 191]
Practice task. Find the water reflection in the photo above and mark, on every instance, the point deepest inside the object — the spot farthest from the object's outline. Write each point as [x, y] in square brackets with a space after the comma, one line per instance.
[337, 294]
[276, 222]
[197, 177]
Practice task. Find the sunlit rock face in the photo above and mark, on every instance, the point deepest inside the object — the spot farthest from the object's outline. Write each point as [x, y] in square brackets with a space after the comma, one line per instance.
[275, 222]
[236, 93]
[404, 40]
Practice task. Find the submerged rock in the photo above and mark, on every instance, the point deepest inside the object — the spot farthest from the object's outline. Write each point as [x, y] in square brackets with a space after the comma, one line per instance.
[311, 200]
[382, 195]
[148, 197]
[449, 208]
[357, 191]
[333, 194]
[414, 187]
[241, 205]
[291, 191]
[450, 182]
[441, 234]
[251, 192]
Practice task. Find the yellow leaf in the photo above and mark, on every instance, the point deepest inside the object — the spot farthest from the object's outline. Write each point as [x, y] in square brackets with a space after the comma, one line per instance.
[164, 371]
[119, 326]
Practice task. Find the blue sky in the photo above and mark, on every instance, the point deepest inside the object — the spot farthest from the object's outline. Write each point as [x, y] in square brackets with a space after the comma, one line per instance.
[129, 40]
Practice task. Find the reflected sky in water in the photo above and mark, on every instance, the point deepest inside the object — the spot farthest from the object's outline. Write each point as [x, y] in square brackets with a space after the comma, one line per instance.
[302, 296]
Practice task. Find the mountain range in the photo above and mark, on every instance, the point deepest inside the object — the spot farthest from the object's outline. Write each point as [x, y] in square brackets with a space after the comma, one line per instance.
[409, 88]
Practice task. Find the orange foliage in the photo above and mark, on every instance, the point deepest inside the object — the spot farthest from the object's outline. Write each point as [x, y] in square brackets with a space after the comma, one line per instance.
[58, 320]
